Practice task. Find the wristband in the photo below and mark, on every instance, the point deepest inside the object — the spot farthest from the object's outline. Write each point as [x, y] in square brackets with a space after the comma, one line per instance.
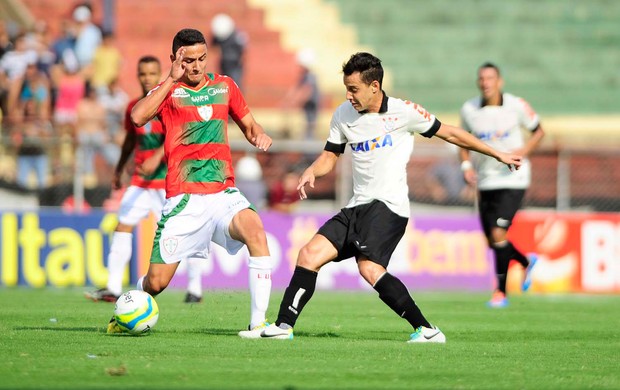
[466, 165]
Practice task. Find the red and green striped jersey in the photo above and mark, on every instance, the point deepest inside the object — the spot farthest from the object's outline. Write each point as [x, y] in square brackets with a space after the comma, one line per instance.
[149, 138]
[196, 126]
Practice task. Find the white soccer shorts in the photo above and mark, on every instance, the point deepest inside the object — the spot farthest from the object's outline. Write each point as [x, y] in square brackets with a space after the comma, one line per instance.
[137, 202]
[191, 221]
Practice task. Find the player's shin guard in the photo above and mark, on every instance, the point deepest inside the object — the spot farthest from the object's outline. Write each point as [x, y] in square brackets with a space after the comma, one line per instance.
[297, 294]
[260, 288]
[394, 294]
[194, 276]
[119, 256]
[503, 251]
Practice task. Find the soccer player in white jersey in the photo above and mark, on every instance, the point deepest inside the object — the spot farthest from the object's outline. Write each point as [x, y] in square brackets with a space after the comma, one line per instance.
[497, 119]
[379, 131]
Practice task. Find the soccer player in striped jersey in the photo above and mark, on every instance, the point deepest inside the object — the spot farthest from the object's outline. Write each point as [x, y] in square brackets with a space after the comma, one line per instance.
[378, 130]
[145, 193]
[202, 202]
[497, 118]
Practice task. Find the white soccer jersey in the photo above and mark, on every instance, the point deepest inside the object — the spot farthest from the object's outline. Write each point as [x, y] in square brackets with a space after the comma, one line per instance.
[381, 145]
[501, 128]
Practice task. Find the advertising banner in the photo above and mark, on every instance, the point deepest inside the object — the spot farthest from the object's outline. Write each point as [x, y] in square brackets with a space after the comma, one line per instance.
[577, 252]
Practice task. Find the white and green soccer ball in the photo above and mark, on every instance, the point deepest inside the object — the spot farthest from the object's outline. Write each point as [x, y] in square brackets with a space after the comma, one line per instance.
[136, 312]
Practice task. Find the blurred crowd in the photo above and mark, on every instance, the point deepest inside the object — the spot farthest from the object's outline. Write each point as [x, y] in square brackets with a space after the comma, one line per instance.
[60, 102]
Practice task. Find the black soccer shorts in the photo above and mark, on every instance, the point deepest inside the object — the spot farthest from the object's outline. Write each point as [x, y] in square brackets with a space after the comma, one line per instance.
[498, 208]
[370, 230]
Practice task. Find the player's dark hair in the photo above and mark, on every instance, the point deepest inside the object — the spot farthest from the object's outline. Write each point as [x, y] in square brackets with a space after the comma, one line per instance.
[490, 65]
[148, 59]
[368, 65]
[187, 37]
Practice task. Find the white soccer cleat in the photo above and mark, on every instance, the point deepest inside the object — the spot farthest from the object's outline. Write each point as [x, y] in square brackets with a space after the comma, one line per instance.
[427, 335]
[275, 332]
[255, 332]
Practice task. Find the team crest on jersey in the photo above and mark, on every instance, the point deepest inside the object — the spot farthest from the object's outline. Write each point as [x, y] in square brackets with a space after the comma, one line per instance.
[180, 93]
[389, 124]
[170, 245]
[206, 112]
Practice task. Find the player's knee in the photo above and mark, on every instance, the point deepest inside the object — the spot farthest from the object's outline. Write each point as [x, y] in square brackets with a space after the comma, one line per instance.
[370, 271]
[308, 258]
[154, 284]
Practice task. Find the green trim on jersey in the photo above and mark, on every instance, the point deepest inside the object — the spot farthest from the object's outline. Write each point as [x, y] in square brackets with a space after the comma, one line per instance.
[159, 174]
[156, 253]
[150, 141]
[204, 171]
[209, 132]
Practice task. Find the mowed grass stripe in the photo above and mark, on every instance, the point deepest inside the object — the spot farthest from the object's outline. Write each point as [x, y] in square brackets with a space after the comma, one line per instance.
[55, 339]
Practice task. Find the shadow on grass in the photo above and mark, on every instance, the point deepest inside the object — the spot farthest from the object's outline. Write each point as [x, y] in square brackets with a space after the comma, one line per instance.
[61, 328]
[234, 332]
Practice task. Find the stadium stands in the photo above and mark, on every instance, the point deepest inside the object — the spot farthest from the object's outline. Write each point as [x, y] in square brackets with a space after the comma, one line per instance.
[558, 54]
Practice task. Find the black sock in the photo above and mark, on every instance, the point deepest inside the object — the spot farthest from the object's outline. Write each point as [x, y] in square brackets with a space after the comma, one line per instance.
[394, 293]
[297, 294]
[502, 258]
[518, 256]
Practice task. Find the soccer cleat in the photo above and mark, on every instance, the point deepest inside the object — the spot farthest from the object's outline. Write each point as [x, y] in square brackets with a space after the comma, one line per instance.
[103, 294]
[275, 332]
[255, 332]
[191, 298]
[423, 334]
[527, 281]
[498, 300]
[113, 327]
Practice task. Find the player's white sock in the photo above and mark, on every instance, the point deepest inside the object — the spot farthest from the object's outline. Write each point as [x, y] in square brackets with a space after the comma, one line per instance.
[260, 288]
[120, 254]
[194, 276]
[139, 283]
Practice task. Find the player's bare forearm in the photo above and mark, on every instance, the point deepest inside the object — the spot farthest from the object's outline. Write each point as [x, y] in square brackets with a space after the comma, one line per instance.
[254, 133]
[126, 149]
[534, 140]
[146, 108]
[320, 167]
[462, 138]
[324, 163]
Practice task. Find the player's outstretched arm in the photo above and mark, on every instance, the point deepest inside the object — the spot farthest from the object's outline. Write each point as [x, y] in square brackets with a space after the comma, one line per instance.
[254, 132]
[320, 167]
[462, 138]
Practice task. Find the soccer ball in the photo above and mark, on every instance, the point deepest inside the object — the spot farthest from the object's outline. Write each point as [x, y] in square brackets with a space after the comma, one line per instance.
[136, 312]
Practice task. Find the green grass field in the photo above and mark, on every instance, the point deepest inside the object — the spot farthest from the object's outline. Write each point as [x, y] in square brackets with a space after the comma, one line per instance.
[55, 339]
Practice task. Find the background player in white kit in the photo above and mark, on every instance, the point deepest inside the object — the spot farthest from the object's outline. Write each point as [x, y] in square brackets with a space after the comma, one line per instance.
[379, 131]
[145, 194]
[498, 118]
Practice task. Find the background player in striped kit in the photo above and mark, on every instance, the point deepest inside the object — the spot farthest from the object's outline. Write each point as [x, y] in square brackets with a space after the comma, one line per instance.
[498, 118]
[379, 131]
[202, 202]
[145, 194]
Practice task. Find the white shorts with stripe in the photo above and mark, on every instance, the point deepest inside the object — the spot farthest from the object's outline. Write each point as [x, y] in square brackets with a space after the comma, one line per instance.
[191, 221]
[138, 202]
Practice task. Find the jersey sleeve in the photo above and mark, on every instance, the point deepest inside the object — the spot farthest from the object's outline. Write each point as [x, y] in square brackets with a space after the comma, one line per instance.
[166, 99]
[336, 130]
[528, 118]
[420, 120]
[464, 123]
[128, 124]
[237, 107]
